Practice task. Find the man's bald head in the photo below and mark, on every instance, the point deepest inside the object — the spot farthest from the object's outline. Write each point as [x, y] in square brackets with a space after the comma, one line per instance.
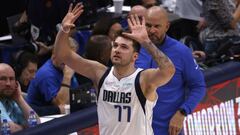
[7, 81]
[138, 10]
[158, 12]
[4, 67]
[157, 24]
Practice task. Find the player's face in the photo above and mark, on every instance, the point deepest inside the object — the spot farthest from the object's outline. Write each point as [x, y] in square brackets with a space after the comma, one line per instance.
[122, 52]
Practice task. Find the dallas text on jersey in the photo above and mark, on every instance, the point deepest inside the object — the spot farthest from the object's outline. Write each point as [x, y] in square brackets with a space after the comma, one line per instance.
[116, 97]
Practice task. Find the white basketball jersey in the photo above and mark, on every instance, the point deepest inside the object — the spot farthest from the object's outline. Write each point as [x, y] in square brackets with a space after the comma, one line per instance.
[122, 107]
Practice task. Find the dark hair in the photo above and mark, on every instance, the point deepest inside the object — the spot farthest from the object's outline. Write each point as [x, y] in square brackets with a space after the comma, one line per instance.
[136, 45]
[22, 60]
[104, 24]
[96, 46]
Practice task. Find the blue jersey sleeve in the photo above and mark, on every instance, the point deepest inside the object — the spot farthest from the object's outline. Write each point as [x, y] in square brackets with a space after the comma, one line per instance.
[195, 82]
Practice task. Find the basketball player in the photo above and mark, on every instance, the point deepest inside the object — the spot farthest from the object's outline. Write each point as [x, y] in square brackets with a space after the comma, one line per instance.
[126, 95]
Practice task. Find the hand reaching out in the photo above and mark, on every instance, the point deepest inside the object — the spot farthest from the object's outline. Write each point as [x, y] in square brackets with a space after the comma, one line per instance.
[138, 29]
[71, 17]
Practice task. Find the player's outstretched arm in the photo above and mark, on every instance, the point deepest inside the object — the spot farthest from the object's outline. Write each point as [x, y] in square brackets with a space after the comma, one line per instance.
[65, 54]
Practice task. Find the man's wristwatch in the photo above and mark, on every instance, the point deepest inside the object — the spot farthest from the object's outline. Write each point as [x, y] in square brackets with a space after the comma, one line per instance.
[183, 112]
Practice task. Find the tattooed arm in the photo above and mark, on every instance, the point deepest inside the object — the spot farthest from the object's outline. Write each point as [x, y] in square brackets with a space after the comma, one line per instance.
[161, 75]
[161, 59]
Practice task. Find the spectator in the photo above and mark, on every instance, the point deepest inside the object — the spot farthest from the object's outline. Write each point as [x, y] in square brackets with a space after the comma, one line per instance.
[50, 87]
[12, 105]
[98, 48]
[25, 67]
[174, 102]
[197, 53]
[222, 18]
[138, 10]
[107, 25]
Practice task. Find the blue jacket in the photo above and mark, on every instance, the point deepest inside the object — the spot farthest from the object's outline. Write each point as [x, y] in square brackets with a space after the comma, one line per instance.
[186, 88]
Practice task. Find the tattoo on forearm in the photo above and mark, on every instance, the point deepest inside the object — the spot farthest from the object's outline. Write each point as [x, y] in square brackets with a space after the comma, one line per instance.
[161, 59]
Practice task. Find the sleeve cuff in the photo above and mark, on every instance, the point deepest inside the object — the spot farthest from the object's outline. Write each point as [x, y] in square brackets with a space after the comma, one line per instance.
[187, 110]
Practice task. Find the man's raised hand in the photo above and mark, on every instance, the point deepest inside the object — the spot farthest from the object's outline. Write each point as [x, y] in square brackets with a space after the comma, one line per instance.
[71, 17]
[138, 29]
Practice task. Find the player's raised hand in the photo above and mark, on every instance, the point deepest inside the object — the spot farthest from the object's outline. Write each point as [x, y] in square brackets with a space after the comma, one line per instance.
[138, 29]
[71, 17]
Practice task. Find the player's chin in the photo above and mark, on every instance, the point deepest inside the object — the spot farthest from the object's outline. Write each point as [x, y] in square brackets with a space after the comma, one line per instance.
[115, 62]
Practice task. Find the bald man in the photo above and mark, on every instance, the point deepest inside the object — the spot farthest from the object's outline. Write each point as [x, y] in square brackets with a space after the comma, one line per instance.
[138, 10]
[12, 105]
[173, 104]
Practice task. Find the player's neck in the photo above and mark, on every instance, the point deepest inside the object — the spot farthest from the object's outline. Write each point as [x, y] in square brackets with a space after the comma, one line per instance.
[120, 72]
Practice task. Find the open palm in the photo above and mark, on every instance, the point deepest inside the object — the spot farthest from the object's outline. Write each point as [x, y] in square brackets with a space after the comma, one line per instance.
[71, 16]
[138, 29]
